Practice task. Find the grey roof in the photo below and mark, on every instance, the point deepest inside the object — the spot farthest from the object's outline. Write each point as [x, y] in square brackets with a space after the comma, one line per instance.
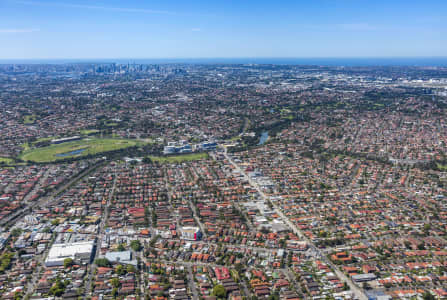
[119, 256]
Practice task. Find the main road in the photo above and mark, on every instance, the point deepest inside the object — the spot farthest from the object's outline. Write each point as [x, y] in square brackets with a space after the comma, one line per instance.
[102, 225]
[357, 291]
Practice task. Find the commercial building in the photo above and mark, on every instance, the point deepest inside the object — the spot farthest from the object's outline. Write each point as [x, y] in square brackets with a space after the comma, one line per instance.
[124, 257]
[206, 146]
[67, 139]
[363, 277]
[80, 252]
[177, 147]
[191, 233]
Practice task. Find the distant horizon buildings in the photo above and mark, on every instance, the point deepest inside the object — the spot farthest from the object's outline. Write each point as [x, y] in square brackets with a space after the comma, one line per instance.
[122, 64]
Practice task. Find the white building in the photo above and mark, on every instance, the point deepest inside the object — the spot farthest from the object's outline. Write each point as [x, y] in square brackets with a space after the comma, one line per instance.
[191, 233]
[80, 252]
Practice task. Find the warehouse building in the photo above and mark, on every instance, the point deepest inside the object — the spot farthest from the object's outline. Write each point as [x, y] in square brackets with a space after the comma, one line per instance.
[80, 252]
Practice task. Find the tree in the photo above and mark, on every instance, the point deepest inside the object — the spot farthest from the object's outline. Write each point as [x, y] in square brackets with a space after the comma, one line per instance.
[68, 262]
[407, 244]
[146, 216]
[16, 232]
[58, 288]
[55, 222]
[102, 262]
[135, 245]
[18, 296]
[120, 270]
[5, 261]
[428, 296]
[421, 246]
[154, 219]
[273, 297]
[115, 282]
[239, 267]
[121, 247]
[130, 269]
[282, 243]
[219, 291]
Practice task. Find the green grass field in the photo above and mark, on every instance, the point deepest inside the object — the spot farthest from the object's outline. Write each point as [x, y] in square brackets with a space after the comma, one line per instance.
[43, 140]
[91, 146]
[89, 131]
[111, 124]
[29, 119]
[179, 158]
[289, 117]
[6, 160]
[27, 146]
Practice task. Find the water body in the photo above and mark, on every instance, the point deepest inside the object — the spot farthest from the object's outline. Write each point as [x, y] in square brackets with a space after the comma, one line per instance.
[264, 137]
[320, 61]
[71, 153]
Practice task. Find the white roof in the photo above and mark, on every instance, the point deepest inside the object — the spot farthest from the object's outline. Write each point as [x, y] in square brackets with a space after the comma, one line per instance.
[69, 250]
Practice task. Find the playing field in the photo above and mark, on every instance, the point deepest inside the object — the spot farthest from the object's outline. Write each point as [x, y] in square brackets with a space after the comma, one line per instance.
[76, 149]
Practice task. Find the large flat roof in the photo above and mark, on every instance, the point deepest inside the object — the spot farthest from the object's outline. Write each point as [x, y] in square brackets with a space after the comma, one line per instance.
[62, 251]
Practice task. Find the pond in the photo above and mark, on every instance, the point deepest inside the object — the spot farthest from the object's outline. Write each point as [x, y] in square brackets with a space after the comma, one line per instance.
[71, 153]
[263, 138]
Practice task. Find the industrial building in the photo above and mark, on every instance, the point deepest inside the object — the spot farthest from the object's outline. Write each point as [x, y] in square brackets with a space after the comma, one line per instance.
[80, 252]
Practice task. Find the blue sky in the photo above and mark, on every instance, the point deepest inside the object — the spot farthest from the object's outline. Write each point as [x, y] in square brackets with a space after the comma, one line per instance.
[201, 29]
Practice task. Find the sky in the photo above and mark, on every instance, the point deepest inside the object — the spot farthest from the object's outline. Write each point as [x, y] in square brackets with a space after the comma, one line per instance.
[81, 29]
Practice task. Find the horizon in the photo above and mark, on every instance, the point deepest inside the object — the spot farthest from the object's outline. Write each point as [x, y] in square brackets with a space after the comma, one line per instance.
[420, 61]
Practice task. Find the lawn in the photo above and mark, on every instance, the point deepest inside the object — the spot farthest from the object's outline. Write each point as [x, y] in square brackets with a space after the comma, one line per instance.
[45, 139]
[289, 117]
[27, 146]
[285, 111]
[80, 148]
[29, 119]
[6, 160]
[89, 131]
[111, 124]
[179, 158]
